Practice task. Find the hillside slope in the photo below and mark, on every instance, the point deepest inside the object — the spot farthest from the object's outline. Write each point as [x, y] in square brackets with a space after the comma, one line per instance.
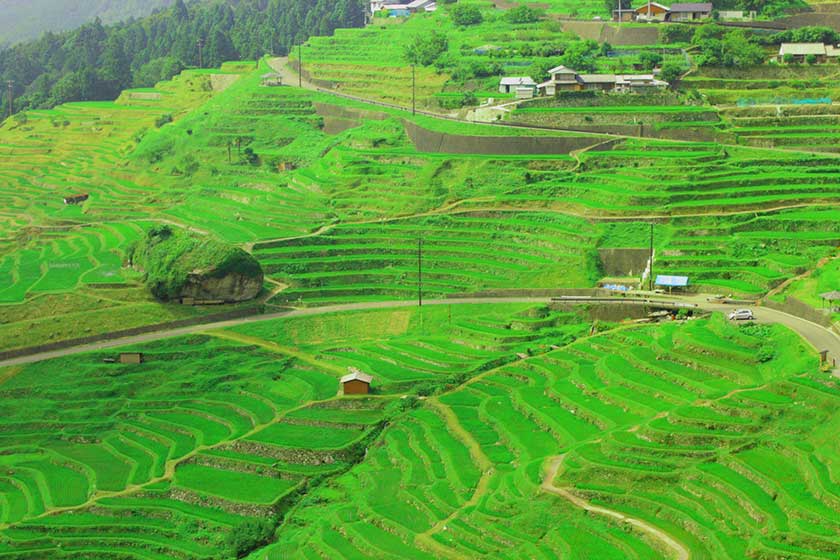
[26, 19]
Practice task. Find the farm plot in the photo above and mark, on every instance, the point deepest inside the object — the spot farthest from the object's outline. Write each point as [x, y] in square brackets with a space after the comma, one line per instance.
[165, 458]
[669, 425]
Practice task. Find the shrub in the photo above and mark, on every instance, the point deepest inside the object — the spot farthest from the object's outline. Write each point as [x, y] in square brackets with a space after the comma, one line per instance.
[426, 49]
[162, 120]
[523, 14]
[466, 14]
[811, 59]
[248, 536]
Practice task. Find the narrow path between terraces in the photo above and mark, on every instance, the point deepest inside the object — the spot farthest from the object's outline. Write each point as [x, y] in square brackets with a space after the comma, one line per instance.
[553, 469]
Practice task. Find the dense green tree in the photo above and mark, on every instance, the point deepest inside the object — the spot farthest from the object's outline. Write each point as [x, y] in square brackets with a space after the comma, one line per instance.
[650, 60]
[465, 14]
[523, 14]
[96, 61]
[580, 56]
[426, 49]
[610, 5]
[671, 71]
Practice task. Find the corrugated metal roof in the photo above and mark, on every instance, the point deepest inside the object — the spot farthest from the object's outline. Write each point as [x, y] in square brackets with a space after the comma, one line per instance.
[799, 49]
[598, 78]
[673, 281]
[356, 375]
[692, 7]
[521, 81]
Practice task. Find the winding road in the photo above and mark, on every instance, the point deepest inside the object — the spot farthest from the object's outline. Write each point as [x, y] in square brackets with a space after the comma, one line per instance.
[817, 336]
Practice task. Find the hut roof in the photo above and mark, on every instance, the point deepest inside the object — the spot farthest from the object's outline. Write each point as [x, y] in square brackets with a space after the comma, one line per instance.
[831, 296]
[356, 375]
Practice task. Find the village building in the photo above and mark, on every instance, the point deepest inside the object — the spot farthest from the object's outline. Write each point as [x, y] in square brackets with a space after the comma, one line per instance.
[656, 12]
[652, 11]
[671, 282]
[512, 85]
[131, 357]
[690, 12]
[356, 383]
[800, 52]
[76, 198]
[421, 6]
[737, 15]
[565, 79]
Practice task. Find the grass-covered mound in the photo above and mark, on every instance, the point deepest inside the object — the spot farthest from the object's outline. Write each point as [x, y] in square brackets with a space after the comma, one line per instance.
[178, 264]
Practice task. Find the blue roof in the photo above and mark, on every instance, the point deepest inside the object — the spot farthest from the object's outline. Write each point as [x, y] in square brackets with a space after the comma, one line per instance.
[674, 281]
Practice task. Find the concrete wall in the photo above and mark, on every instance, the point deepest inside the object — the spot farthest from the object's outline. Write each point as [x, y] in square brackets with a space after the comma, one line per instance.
[801, 309]
[439, 142]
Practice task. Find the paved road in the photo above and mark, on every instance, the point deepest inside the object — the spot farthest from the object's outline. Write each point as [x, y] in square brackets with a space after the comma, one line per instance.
[819, 337]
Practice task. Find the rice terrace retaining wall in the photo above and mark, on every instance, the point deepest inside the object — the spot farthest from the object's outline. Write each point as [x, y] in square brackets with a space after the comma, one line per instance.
[440, 142]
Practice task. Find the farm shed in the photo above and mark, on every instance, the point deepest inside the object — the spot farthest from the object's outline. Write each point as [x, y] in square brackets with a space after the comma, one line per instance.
[356, 383]
[131, 357]
[76, 198]
[801, 51]
[690, 12]
[272, 79]
[511, 85]
[671, 282]
[652, 11]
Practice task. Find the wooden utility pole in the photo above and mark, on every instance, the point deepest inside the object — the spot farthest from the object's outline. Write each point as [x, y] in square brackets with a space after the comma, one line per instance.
[300, 65]
[11, 97]
[650, 270]
[420, 272]
[200, 44]
[413, 90]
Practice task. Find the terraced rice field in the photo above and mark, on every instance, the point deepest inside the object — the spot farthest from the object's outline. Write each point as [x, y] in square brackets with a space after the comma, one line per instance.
[163, 459]
[678, 427]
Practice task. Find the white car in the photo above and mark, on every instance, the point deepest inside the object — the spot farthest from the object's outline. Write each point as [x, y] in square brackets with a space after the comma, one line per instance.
[741, 315]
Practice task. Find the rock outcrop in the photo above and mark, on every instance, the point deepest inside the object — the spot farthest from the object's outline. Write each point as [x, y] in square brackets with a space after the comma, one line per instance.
[181, 266]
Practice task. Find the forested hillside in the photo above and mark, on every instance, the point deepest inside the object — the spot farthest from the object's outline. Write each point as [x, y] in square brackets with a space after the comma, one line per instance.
[21, 20]
[96, 62]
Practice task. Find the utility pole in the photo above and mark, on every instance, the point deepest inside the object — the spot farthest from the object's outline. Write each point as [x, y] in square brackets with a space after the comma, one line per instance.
[300, 65]
[200, 44]
[650, 270]
[11, 97]
[420, 272]
[413, 90]
[229, 143]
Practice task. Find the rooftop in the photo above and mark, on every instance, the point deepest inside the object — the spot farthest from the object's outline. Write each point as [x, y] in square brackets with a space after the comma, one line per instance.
[356, 375]
[518, 81]
[802, 49]
[692, 7]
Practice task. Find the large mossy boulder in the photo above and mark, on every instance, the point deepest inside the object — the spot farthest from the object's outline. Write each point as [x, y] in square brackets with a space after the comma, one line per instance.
[178, 264]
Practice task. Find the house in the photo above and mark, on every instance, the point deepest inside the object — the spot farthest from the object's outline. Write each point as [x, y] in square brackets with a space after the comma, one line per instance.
[131, 357]
[510, 85]
[397, 10]
[356, 383]
[420, 6]
[800, 52]
[376, 6]
[76, 198]
[562, 79]
[737, 15]
[690, 12]
[625, 15]
[272, 79]
[565, 79]
[652, 11]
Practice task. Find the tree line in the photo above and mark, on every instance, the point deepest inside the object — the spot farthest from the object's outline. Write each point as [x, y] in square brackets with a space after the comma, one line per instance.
[96, 62]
